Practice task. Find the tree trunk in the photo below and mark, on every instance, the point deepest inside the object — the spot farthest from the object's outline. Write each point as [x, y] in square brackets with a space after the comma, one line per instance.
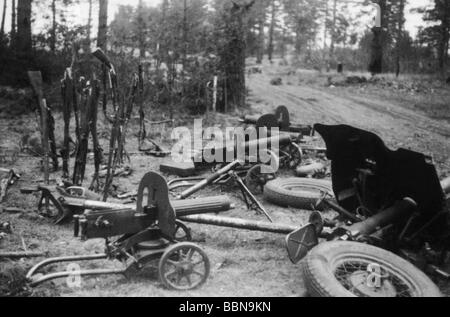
[2, 28]
[376, 58]
[283, 43]
[89, 27]
[333, 36]
[13, 24]
[102, 25]
[233, 56]
[260, 52]
[162, 46]
[400, 22]
[298, 40]
[141, 35]
[272, 30]
[185, 35]
[24, 44]
[325, 34]
[53, 30]
[443, 51]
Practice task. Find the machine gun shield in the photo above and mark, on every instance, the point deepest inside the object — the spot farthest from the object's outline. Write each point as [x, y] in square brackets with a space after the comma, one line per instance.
[154, 188]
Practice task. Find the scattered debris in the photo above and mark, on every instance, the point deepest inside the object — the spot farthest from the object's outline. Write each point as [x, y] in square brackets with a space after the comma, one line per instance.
[119, 172]
[7, 181]
[311, 169]
[154, 149]
[13, 210]
[276, 81]
[179, 169]
[21, 255]
[32, 144]
[5, 227]
[228, 172]
[255, 70]
[143, 234]
[5, 230]
[354, 80]
[292, 73]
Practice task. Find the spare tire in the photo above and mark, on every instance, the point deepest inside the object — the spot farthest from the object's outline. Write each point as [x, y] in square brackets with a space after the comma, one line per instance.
[301, 193]
[350, 269]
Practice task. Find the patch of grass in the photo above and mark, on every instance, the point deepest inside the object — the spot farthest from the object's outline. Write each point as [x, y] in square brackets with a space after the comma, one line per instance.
[13, 280]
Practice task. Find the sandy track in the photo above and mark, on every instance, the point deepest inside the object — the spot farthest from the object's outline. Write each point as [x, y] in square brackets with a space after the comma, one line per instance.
[397, 125]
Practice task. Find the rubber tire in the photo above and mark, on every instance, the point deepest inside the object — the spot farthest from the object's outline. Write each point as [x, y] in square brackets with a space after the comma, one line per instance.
[320, 280]
[277, 192]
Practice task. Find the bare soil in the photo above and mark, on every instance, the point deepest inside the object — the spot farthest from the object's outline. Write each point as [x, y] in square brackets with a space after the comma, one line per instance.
[243, 263]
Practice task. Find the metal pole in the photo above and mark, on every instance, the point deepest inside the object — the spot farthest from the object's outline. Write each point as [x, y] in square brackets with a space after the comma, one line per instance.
[45, 136]
[202, 184]
[240, 224]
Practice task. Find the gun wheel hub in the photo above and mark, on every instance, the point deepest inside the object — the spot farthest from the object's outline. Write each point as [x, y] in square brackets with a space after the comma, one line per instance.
[359, 279]
[367, 279]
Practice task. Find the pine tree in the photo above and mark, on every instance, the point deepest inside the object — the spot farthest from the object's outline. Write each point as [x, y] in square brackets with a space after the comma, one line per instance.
[102, 24]
[438, 34]
[2, 28]
[24, 44]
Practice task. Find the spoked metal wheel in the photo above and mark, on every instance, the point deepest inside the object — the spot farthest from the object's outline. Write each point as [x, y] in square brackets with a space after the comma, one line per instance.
[365, 278]
[349, 269]
[183, 267]
[257, 177]
[182, 232]
[292, 156]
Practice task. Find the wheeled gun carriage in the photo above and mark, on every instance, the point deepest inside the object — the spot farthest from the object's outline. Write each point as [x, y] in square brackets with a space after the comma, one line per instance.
[152, 230]
[62, 204]
[381, 188]
[280, 119]
[147, 232]
[387, 201]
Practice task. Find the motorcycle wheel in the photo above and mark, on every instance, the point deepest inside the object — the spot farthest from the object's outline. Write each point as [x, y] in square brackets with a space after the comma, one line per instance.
[350, 269]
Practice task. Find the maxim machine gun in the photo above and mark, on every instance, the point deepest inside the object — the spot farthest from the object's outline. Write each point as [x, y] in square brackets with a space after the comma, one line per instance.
[280, 119]
[148, 231]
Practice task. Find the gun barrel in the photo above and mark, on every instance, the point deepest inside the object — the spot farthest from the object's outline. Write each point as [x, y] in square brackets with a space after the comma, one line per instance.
[250, 149]
[182, 208]
[384, 218]
[202, 184]
[240, 224]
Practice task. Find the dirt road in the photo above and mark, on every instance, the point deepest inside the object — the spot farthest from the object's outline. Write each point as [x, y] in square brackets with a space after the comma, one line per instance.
[398, 125]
